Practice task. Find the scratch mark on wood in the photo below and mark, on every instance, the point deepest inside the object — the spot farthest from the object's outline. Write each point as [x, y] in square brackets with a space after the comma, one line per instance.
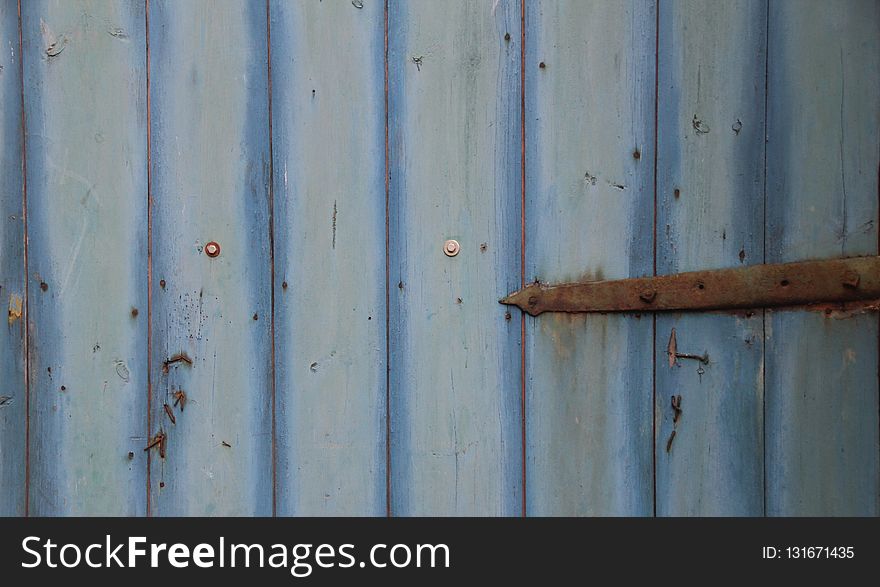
[700, 127]
[122, 370]
[334, 224]
[118, 33]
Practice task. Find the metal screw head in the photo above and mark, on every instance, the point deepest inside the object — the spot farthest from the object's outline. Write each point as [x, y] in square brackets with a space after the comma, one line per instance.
[451, 248]
[647, 295]
[212, 249]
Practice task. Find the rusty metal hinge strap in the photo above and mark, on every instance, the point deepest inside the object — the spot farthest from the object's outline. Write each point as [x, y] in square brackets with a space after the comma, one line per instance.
[754, 286]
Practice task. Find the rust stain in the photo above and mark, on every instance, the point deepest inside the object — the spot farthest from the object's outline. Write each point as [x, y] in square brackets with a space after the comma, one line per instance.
[149, 248]
[15, 304]
[24, 217]
[842, 311]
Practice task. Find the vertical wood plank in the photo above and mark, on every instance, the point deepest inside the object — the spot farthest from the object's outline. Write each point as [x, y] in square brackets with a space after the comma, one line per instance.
[455, 174]
[822, 161]
[13, 402]
[85, 90]
[210, 182]
[328, 95]
[590, 84]
[710, 193]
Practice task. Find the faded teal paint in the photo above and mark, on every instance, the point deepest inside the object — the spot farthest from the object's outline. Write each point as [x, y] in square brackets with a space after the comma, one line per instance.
[590, 82]
[454, 111]
[210, 182]
[710, 214]
[85, 95]
[13, 402]
[810, 446]
[822, 160]
[329, 192]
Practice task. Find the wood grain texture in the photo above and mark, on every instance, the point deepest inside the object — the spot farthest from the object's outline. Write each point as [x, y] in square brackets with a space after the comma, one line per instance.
[210, 182]
[85, 95]
[710, 195]
[822, 161]
[454, 92]
[329, 193]
[13, 401]
[590, 83]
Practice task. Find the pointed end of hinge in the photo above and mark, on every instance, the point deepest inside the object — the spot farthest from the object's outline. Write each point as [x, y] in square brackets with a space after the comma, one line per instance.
[526, 299]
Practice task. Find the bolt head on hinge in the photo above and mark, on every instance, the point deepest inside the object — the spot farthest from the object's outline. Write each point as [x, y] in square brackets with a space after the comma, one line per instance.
[647, 295]
[851, 279]
[451, 248]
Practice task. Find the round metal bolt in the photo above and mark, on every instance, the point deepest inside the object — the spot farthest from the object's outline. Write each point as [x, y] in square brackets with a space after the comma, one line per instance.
[647, 295]
[451, 248]
[212, 249]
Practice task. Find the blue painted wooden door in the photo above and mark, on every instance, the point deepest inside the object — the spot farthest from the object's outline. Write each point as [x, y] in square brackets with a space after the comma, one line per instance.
[221, 247]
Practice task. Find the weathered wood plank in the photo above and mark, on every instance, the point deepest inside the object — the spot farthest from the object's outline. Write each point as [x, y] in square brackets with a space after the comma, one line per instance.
[329, 192]
[455, 145]
[85, 94]
[822, 160]
[210, 182]
[710, 194]
[13, 402]
[590, 83]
